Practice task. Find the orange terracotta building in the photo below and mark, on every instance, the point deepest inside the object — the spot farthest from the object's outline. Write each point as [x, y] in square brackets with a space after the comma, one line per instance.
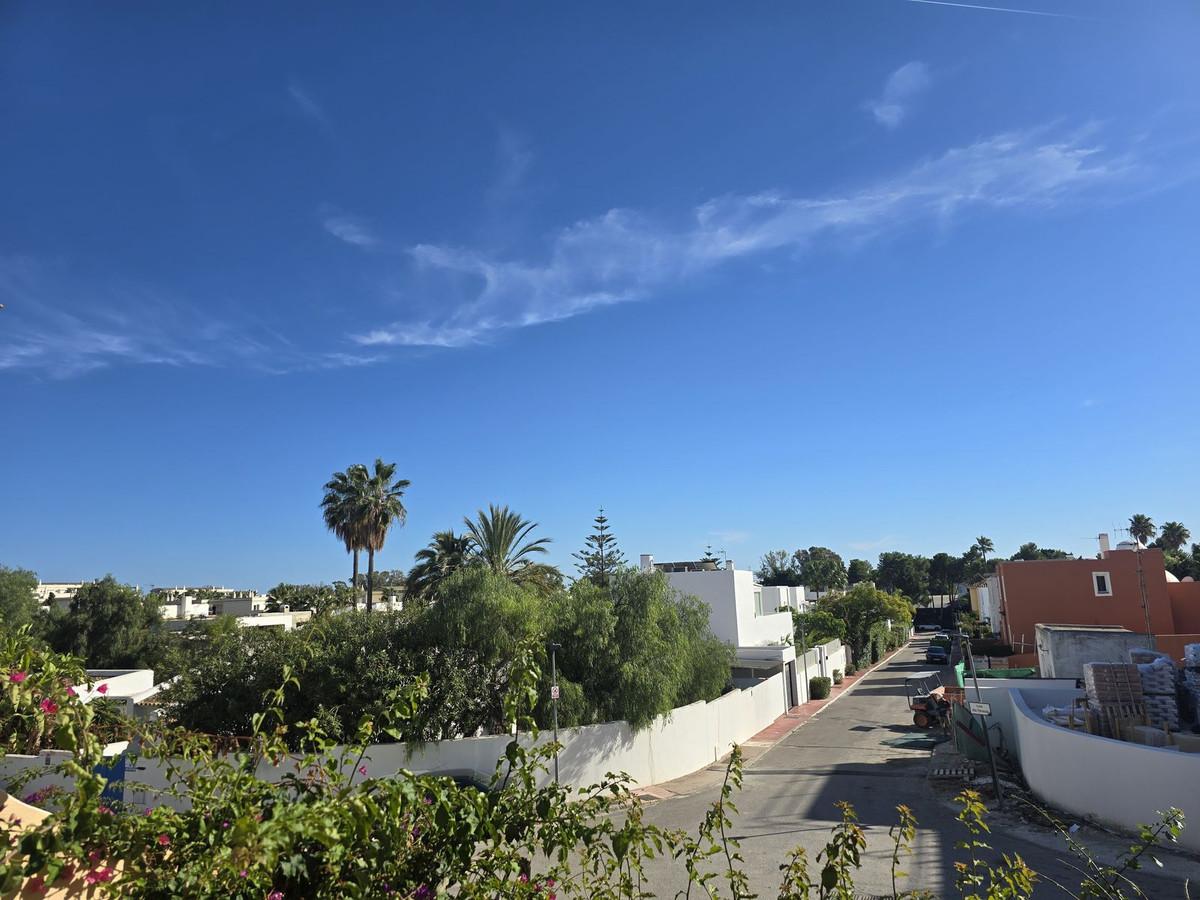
[1104, 591]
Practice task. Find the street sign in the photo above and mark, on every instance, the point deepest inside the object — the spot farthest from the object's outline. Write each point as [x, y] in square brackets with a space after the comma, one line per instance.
[980, 709]
[554, 692]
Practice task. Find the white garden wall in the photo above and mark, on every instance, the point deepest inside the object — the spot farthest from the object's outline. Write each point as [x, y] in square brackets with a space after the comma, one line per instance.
[1115, 782]
[689, 738]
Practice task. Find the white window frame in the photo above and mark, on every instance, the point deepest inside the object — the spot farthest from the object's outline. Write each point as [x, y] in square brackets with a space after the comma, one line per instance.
[1096, 576]
[758, 603]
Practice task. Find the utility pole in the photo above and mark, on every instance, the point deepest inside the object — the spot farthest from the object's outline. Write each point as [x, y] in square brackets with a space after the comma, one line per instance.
[1145, 602]
[554, 648]
[987, 738]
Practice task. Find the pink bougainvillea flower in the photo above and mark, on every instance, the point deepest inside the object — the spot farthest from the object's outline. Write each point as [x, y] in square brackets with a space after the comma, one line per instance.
[93, 856]
[100, 875]
[163, 840]
[103, 689]
[37, 884]
[362, 770]
[275, 895]
[104, 810]
[48, 706]
[243, 873]
[17, 677]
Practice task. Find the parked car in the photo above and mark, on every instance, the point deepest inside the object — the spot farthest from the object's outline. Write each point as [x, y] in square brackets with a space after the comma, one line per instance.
[929, 626]
[937, 654]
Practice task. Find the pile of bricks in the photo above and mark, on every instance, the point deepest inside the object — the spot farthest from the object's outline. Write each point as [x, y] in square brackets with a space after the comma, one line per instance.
[1108, 683]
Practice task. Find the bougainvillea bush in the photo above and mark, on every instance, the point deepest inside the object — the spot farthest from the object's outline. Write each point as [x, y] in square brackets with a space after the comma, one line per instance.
[327, 828]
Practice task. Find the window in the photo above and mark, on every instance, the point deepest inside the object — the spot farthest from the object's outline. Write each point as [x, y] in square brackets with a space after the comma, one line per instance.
[758, 609]
[1102, 583]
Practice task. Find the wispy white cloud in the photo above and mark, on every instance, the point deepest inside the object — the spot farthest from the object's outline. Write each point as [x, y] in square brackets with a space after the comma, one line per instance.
[624, 255]
[901, 87]
[307, 105]
[56, 325]
[879, 543]
[514, 157]
[1001, 9]
[350, 229]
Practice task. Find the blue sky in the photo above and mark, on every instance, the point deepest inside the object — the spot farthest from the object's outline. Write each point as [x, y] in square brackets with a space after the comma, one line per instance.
[871, 274]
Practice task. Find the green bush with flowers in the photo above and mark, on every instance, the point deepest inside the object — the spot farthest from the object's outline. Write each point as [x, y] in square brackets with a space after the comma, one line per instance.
[326, 828]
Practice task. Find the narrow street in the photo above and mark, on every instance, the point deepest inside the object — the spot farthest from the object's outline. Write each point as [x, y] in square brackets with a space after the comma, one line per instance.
[862, 749]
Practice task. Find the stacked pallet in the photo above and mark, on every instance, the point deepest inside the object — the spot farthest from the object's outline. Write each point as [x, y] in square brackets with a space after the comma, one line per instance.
[1108, 683]
[1114, 693]
[1158, 691]
[1191, 675]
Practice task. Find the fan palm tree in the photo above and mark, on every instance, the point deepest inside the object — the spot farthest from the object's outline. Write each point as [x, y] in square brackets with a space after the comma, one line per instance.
[342, 493]
[985, 546]
[375, 509]
[500, 540]
[1172, 536]
[1141, 528]
[444, 555]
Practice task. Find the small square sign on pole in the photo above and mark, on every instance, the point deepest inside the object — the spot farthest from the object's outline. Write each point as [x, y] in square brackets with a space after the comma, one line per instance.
[978, 708]
[554, 692]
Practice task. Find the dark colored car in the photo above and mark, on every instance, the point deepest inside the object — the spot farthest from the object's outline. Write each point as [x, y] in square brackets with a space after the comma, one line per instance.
[937, 654]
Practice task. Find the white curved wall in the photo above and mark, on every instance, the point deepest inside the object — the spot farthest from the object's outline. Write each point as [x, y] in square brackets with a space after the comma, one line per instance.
[1116, 782]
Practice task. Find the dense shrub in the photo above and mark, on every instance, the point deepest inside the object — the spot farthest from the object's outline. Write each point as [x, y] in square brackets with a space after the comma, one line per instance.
[838, 677]
[818, 687]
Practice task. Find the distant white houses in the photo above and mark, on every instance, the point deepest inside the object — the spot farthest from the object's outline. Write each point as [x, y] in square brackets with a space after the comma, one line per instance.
[199, 602]
[59, 593]
[754, 619]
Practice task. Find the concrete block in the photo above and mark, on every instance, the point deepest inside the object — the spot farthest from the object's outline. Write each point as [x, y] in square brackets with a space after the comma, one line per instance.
[1148, 735]
[1187, 743]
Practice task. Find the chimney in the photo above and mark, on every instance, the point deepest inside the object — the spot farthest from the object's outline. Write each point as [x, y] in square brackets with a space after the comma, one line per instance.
[729, 565]
[1104, 548]
[647, 562]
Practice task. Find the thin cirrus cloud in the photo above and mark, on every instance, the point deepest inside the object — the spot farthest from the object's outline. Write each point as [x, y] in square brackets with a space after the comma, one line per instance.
[624, 255]
[899, 91]
[308, 106]
[351, 230]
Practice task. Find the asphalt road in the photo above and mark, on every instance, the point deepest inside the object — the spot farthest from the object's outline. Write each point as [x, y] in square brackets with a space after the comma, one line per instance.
[860, 749]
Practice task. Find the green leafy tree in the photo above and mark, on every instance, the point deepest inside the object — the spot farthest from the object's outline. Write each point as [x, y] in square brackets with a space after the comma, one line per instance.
[442, 557]
[18, 598]
[864, 608]
[1142, 528]
[905, 573]
[945, 571]
[817, 626]
[501, 540]
[859, 570]
[778, 568]
[821, 569]
[1030, 552]
[112, 626]
[1172, 536]
[600, 558]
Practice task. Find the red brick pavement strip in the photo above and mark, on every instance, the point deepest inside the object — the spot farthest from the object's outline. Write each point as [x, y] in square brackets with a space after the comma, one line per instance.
[798, 715]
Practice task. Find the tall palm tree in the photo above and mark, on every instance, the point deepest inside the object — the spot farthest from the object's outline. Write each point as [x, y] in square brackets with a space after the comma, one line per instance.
[339, 505]
[985, 546]
[1141, 528]
[376, 508]
[444, 555]
[500, 539]
[1173, 535]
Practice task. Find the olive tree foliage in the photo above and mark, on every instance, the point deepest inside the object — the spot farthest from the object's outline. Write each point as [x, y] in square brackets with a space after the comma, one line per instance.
[631, 654]
[859, 570]
[863, 608]
[18, 602]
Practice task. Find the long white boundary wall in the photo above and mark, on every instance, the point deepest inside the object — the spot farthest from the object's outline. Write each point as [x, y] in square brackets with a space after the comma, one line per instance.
[1115, 782]
[686, 740]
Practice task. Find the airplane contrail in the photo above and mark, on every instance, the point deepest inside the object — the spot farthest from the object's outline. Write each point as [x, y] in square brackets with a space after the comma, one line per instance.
[1024, 12]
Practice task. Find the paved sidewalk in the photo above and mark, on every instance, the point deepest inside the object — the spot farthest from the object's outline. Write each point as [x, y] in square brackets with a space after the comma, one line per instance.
[756, 746]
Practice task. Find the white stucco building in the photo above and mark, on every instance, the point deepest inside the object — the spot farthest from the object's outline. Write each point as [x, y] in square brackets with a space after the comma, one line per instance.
[743, 613]
[198, 602]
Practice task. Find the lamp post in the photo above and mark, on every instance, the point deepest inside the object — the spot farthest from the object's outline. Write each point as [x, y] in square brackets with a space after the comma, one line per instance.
[554, 648]
[803, 655]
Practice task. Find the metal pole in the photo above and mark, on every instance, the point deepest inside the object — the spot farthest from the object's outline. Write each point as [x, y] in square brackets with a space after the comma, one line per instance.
[987, 737]
[804, 658]
[554, 648]
[1145, 602]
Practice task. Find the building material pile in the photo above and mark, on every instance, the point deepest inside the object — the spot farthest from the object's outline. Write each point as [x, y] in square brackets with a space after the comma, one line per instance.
[1157, 674]
[1114, 695]
[1191, 675]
